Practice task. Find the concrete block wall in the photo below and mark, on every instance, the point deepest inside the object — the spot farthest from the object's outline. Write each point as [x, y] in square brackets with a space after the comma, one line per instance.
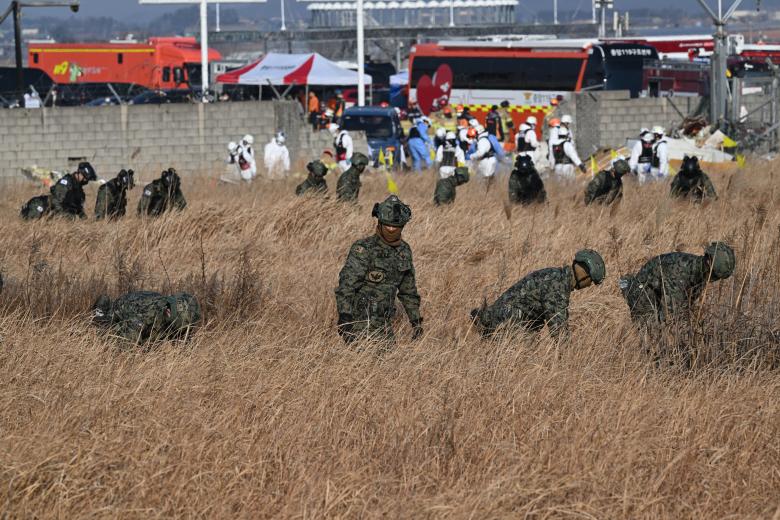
[149, 138]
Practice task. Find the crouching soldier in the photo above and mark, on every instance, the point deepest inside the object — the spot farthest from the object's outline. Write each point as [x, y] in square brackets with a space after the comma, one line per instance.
[525, 184]
[315, 182]
[542, 297]
[379, 269]
[348, 185]
[112, 196]
[35, 208]
[607, 186]
[148, 316]
[162, 195]
[692, 183]
[669, 284]
[67, 195]
[445, 188]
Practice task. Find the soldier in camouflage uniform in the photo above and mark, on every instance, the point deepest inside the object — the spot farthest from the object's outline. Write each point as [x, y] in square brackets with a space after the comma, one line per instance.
[112, 196]
[148, 316]
[379, 269]
[35, 208]
[542, 297]
[315, 182]
[692, 183]
[445, 188]
[67, 195]
[669, 284]
[525, 184]
[607, 186]
[348, 185]
[162, 195]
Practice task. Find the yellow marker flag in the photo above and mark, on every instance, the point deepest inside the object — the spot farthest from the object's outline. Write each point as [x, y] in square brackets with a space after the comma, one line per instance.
[594, 167]
[613, 154]
[392, 187]
[740, 160]
[728, 142]
[382, 156]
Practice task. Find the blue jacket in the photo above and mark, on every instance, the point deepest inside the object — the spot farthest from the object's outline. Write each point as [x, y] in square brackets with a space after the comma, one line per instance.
[423, 129]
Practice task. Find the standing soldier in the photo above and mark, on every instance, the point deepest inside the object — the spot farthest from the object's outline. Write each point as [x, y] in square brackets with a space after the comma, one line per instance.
[162, 195]
[379, 269]
[112, 196]
[669, 284]
[445, 188]
[148, 316]
[348, 185]
[607, 186]
[542, 297]
[67, 196]
[525, 184]
[315, 182]
[692, 183]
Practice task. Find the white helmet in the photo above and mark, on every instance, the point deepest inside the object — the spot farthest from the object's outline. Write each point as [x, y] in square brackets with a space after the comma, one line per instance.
[566, 119]
[333, 128]
[643, 130]
[441, 133]
[280, 138]
[648, 137]
[232, 147]
[450, 135]
[473, 123]
[563, 132]
[659, 130]
[524, 127]
[531, 121]
[480, 129]
[248, 139]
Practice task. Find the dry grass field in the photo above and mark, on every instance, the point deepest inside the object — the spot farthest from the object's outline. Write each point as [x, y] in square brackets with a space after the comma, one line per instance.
[266, 414]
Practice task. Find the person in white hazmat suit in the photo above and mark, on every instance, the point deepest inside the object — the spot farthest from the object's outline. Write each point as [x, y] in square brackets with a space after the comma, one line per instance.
[246, 158]
[641, 159]
[526, 142]
[485, 156]
[342, 143]
[565, 122]
[449, 156]
[276, 157]
[565, 156]
[660, 163]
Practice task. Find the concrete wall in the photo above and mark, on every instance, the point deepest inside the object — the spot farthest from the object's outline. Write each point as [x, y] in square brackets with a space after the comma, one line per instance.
[148, 138]
[608, 118]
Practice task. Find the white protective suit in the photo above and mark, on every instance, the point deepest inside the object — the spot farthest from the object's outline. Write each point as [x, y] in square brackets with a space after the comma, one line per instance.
[485, 156]
[276, 159]
[344, 141]
[449, 171]
[247, 167]
[565, 170]
[660, 154]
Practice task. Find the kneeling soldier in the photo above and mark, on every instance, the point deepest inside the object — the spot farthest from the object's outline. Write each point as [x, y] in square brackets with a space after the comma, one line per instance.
[692, 183]
[112, 196]
[315, 182]
[445, 188]
[162, 195]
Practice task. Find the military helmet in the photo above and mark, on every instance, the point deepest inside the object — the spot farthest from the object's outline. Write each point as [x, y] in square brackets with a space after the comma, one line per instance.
[359, 158]
[524, 164]
[87, 171]
[126, 178]
[317, 168]
[101, 310]
[392, 212]
[620, 166]
[185, 310]
[722, 259]
[170, 177]
[690, 165]
[461, 175]
[593, 263]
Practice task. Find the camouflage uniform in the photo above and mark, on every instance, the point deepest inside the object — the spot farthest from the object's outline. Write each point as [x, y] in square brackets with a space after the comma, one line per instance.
[692, 183]
[148, 316]
[111, 200]
[67, 195]
[162, 195]
[374, 274]
[671, 283]
[542, 297]
[35, 208]
[315, 182]
[445, 188]
[525, 184]
[348, 185]
[604, 188]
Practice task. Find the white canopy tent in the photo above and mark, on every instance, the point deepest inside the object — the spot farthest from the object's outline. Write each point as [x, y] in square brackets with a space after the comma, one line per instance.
[292, 69]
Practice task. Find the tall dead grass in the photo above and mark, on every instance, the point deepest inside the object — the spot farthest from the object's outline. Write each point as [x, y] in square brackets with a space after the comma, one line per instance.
[266, 414]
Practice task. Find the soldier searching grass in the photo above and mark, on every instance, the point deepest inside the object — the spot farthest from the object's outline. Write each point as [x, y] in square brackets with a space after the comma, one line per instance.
[66, 197]
[161, 195]
[111, 200]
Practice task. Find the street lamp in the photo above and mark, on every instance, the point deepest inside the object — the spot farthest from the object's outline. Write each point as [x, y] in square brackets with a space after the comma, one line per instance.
[16, 9]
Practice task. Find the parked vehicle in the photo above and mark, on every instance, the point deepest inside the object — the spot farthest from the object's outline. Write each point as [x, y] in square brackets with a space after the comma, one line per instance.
[161, 97]
[383, 131]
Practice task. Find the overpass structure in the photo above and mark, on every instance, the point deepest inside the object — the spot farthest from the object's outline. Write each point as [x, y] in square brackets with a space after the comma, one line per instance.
[383, 44]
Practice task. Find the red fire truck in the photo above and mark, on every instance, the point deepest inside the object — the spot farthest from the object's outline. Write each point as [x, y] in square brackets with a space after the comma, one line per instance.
[160, 63]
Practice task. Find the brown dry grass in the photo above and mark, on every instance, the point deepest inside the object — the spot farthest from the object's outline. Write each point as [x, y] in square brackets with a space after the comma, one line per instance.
[266, 413]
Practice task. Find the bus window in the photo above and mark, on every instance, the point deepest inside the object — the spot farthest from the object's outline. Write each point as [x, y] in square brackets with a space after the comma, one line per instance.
[166, 74]
[178, 75]
[624, 66]
[35, 57]
[509, 73]
[120, 57]
[594, 71]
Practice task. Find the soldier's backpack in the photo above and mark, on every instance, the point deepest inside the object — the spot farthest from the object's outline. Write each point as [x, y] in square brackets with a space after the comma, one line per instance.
[35, 208]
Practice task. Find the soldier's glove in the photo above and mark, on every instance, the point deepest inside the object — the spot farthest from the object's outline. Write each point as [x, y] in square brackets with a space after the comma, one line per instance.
[344, 328]
[417, 329]
[582, 167]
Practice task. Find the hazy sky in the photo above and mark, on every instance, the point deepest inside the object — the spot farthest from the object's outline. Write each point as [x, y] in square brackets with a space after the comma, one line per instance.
[130, 8]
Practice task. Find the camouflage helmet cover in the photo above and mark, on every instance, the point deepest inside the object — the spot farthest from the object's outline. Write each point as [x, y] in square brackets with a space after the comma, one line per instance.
[461, 175]
[185, 310]
[317, 168]
[359, 158]
[722, 259]
[392, 212]
[593, 263]
[621, 167]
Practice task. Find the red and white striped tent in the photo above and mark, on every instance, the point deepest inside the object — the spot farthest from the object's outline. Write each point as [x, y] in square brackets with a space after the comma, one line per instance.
[292, 69]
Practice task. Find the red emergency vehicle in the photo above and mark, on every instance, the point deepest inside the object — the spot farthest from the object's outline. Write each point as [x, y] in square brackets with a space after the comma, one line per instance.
[160, 63]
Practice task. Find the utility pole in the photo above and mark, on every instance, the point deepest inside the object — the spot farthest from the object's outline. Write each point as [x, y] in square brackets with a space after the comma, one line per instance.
[718, 62]
[217, 28]
[361, 58]
[452, 13]
[284, 27]
[555, 12]
[603, 5]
